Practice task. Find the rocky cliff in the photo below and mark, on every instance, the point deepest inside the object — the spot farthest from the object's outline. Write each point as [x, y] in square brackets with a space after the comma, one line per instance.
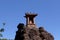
[26, 33]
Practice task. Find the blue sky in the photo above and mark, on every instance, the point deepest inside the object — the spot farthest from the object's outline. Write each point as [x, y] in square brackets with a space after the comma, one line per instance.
[12, 12]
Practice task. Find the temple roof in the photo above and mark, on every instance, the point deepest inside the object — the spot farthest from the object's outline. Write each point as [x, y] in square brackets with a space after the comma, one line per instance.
[30, 15]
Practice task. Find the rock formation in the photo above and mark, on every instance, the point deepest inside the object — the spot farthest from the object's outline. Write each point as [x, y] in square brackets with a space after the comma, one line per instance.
[30, 31]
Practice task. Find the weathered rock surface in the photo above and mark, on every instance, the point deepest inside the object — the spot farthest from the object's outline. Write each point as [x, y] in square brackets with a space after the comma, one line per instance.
[26, 33]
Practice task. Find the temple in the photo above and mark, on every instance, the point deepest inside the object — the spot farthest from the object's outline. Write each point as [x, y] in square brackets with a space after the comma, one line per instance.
[30, 31]
[30, 19]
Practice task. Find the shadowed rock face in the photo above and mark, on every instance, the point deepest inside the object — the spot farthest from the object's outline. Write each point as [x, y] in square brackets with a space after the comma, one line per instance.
[26, 33]
[20, 32]
[45, 35]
